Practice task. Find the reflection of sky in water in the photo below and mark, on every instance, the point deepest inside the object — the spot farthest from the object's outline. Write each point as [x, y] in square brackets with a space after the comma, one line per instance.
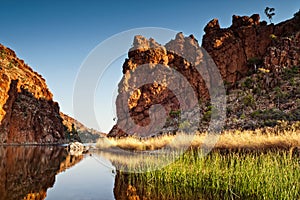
[89, 179]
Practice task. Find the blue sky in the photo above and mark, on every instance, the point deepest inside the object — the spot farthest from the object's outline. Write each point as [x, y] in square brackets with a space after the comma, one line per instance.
[54, 37]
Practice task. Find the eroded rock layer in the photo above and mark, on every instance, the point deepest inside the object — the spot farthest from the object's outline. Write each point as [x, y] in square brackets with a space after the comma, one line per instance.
[159, 83]
[27, 112]
[237, 50]
[248, 47]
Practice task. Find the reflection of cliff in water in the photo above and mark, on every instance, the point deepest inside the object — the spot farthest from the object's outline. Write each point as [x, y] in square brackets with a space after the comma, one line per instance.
[27, 172]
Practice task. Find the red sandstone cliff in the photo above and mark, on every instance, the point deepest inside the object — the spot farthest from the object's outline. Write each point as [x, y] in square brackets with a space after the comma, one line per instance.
[153, 76]
[27, 112]
[238, 51]
[249, 40]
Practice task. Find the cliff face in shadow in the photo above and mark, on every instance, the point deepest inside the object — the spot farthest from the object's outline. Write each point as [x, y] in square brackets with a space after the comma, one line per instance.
[30, 120]
[27, 172]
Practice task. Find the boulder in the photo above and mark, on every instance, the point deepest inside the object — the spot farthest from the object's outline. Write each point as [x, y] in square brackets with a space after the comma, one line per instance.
[77, 148]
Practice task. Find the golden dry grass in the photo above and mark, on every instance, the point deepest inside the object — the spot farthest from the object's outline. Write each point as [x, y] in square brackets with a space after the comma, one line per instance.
[259, 139]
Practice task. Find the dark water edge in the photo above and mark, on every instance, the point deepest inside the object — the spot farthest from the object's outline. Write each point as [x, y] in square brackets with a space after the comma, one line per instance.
[50, 172]
[32, 144]
[27, 171]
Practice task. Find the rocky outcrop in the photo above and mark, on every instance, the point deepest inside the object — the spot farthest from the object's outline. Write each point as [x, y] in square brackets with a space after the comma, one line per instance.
[27, 112]
[263, 62]
[284, 53]
[237, 50]
[248, 48]
[160, 75]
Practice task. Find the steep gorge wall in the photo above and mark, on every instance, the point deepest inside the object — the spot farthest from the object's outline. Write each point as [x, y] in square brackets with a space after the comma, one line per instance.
[28, 113]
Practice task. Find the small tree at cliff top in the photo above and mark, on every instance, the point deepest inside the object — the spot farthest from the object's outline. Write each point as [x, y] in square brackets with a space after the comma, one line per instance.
[270, 12]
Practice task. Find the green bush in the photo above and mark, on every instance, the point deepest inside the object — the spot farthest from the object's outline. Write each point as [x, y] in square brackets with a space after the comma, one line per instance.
[271, 116]
[175, 113]
[292, 72]
[207, 115]
[249, 100]
[248, 83]
[2, 54]
[10, 65]
[184, 125]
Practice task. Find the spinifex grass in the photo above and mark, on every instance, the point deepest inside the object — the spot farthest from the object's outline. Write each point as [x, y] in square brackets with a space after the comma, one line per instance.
[258, 140]
[271, 175]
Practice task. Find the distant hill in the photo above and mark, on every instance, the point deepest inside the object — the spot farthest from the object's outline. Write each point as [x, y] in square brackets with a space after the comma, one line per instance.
[86, 134]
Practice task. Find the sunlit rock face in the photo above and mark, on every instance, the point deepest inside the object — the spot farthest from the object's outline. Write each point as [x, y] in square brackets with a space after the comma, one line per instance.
[248, 39]
[159, 81]
[284, 53]
[238, 51]
[28, 113]
[27, 172]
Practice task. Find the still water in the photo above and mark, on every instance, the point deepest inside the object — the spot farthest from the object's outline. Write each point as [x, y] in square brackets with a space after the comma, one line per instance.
[49, 172]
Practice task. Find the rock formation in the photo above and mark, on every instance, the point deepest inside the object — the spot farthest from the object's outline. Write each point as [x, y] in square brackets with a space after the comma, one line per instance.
[174, 83]
[241, 50]
[246, 43]
[263, 63]
[30, 120]
[27, 112]
[284, 53]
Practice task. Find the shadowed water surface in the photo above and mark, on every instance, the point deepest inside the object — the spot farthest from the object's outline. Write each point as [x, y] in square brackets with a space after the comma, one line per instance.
[49, 172]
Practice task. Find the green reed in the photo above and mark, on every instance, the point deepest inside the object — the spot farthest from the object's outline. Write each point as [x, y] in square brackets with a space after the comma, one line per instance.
[269, 175]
